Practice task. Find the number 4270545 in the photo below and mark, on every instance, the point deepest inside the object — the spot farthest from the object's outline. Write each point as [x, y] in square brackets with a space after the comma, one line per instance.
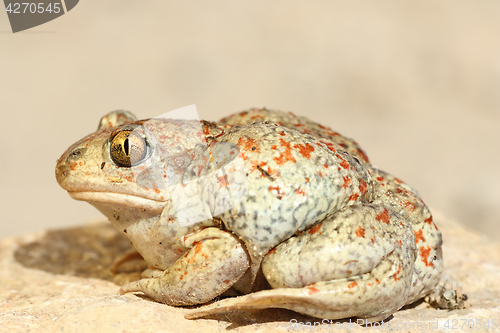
[470, 323]
[31, 7]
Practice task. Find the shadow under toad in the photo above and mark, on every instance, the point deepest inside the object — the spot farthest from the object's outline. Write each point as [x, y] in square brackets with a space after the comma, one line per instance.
[88, 251]
[286, 319]
[91, 252]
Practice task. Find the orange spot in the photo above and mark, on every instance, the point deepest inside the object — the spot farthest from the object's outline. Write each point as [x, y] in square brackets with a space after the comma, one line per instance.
[272, 172]
[410, 207]
[429, 222]
[362, 186]
[378, 281]
[329, 145]
[363, 155]
[347, 181]
[307, 179]
[300, 191]
[399, 181]
[129, 178]
[226, 281]
[360, 232]
[419, 236]
[305, 150]
[352, 285]
[272, 251]
[354, 197]
[383, 217]
[395, 274]
[222, 181]
[285, 156]
[380, 178]
[277, 189]
[399, 242]
[157, 191]
[344, 164]
[326, 166]
[400, 191]
[273, 147]
[315, 229]
[255, 164]
[197, 248]
[250, 144]
[424, 252]
[312, 290]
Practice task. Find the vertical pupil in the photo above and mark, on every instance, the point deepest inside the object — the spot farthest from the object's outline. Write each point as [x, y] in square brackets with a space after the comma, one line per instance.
[126, 147]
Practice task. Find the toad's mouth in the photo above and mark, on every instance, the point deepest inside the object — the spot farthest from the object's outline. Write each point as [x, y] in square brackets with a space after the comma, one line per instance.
[128, 200]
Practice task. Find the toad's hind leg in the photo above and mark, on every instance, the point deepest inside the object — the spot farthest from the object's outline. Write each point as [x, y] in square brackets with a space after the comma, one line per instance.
[357, 263]
[330, 300]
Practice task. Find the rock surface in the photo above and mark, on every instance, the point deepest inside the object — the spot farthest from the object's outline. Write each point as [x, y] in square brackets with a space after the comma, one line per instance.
[61, 280]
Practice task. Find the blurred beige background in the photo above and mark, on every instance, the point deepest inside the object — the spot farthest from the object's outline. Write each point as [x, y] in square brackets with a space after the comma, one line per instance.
[417, 84]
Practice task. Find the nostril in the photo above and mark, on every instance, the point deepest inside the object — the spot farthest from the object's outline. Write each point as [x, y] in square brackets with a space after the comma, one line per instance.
[76, 153]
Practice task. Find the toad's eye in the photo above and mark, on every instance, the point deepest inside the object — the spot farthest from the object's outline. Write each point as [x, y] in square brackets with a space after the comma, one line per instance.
[128, 148]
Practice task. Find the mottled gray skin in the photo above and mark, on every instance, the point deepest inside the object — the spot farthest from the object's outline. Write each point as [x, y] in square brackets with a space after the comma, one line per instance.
[305, 209]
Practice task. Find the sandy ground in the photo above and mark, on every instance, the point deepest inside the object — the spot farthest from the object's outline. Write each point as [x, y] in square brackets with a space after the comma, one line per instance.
[416, 84]
[60, 281]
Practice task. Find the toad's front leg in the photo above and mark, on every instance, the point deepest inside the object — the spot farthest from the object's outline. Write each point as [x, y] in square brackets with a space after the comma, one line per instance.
[214, 263]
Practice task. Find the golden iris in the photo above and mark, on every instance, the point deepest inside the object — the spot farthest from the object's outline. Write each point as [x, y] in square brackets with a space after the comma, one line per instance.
[128, 148]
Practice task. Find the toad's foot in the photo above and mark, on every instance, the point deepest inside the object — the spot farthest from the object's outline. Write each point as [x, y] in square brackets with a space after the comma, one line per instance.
[447, 295]
[215, 262]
